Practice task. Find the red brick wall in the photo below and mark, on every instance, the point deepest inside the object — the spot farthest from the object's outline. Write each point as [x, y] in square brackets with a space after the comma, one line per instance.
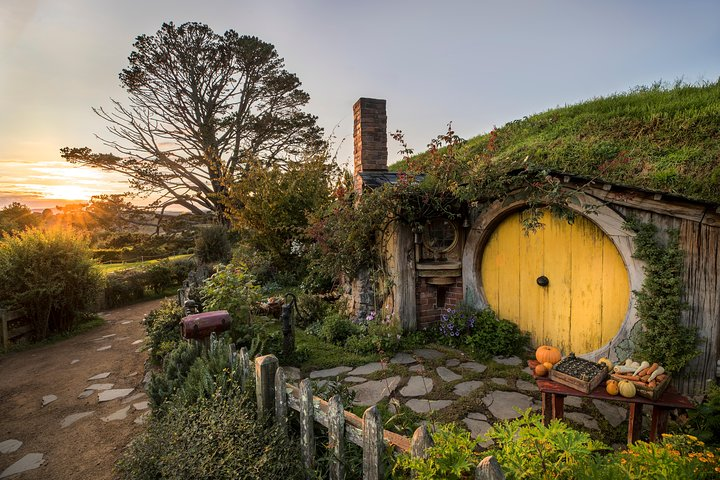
[369, 137]
[433, 300]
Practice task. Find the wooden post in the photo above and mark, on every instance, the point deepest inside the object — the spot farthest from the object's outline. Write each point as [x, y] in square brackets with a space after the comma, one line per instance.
[634, 423]
[307, 414]
[244, 368]
[373, 444]
[281, 408]
[336, 433]
[658, 425]
[489, 469]
[265, 368]
[231, 356]
[421, 441]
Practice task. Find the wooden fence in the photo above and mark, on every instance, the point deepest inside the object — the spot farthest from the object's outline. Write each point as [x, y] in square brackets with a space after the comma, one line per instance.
[275, 397]
[7, 316]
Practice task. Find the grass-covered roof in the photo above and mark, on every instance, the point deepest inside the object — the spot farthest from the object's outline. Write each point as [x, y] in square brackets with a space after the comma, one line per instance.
[664, 138]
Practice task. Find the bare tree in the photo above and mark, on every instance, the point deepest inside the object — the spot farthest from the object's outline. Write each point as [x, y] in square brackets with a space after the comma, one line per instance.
[202, 107]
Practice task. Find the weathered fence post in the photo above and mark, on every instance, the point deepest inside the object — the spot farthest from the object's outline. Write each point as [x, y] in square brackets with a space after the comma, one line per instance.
[265, 368]
[336, 432]
[421, 441]
[373, 444]
[244, 368]
[489, 469]
[281, 408]
[307, 414]
[231, 356]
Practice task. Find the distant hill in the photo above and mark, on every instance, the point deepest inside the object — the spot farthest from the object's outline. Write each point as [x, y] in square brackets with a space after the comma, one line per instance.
[662, 137]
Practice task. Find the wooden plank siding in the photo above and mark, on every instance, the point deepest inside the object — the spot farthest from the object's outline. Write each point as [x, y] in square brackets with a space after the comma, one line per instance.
[700, 242]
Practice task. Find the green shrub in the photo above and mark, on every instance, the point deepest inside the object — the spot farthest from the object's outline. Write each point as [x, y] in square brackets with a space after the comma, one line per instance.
[212, 245]
[217, 437]
[452, 457]
[704, 420]
[124, 286]
[160, 276]
[163, 328]
[233, 289]
[50, 275]
[337, 328]
[180, 269]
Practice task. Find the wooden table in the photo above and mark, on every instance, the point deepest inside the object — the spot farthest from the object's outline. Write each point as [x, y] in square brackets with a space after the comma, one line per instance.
[553, 400]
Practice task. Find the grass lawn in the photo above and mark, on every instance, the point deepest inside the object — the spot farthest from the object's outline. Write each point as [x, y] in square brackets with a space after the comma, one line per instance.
[113, 267]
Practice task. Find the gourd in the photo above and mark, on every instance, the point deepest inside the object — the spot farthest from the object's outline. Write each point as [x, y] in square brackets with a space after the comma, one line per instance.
[548, 365]
[612, 387]
[657, 372]
[627, 389]
[541, 370]
[546, 353]
[606, 361]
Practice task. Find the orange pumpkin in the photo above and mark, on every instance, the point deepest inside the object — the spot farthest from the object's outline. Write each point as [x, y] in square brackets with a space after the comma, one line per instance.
[612, 387]
[546, 353]
[541, 370]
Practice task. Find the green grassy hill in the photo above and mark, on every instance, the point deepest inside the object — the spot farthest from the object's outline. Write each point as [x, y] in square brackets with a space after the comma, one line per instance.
[664, 138]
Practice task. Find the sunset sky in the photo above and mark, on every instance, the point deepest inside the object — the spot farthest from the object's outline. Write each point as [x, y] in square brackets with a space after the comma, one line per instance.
[475, 63]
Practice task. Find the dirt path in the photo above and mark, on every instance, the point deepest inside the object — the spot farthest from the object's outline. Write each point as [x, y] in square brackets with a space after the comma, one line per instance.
[88, 448]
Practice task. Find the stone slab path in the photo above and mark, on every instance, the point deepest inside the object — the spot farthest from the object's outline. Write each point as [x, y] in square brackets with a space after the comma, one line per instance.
[67, 437]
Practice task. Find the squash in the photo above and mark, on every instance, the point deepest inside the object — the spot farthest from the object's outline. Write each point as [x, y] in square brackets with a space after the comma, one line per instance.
[548, 365]
[546, 353]
[541, 370]
[608, 364]
[627, 389]
[612, 387]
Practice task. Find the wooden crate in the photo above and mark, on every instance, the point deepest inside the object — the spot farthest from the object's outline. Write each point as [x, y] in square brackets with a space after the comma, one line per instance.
[576, 383]
[645, 391]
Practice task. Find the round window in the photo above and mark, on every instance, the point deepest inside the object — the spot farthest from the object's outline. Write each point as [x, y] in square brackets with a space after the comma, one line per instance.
[440, 235]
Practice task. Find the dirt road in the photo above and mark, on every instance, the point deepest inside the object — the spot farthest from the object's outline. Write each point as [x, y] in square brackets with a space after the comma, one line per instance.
[89, 447]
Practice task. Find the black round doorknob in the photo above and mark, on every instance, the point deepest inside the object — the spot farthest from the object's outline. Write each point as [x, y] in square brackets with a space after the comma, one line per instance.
[543, 281]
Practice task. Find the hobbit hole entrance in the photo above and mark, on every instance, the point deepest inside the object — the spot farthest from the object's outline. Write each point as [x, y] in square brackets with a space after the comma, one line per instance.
[564, 283]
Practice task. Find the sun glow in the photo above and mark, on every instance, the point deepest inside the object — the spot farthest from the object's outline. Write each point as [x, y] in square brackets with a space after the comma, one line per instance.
[69, 192]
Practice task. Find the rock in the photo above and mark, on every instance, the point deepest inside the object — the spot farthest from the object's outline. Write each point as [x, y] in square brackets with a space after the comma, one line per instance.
[99, 376]
[354, 379]
[474, 366]
[428, 353]
[512, 361]
[119, 415]
[489, 469]
[86, 393]
[74, 361]
[528, 370]
[141, 405]
[423, 406]
[292, 374]
[526, 386]
[70, 419]
[142, 418]
[9, 446]
[403, 358]
[147, 377]
[503, 404]
[30, 461]
[136, 342]
[453, 362]
[476, 416]
[464, 388]
[48, 399]
[109, 336]
[367, 369]
[499, 381]
[126, 322]
[583, 419]
[477, 428]
[107, 395]
[613, 414]
[447, 375]
[573, 402]
[100, 386]
[132, 398]
[417, 369]
[330, 372]
[370, 393]
[417, 386]
[106, 347]
[131, 374]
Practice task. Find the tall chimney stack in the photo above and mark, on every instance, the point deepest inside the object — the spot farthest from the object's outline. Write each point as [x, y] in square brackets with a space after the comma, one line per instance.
[369, 138]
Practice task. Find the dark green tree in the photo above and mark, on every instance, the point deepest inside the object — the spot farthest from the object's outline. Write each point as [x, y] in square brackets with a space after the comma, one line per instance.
[200, 107]
[16, 217]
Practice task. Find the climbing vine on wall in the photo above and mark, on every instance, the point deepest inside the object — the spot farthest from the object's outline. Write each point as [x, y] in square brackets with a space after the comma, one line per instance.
[662, 338]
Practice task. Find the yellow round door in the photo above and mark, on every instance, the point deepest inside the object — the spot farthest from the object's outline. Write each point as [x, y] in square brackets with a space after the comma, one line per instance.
[566, 284]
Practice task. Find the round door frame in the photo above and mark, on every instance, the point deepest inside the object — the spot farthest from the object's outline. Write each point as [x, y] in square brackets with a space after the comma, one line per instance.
[607, 219]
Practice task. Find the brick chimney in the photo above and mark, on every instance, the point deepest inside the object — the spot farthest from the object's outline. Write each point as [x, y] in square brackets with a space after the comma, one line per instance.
[369, 138]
